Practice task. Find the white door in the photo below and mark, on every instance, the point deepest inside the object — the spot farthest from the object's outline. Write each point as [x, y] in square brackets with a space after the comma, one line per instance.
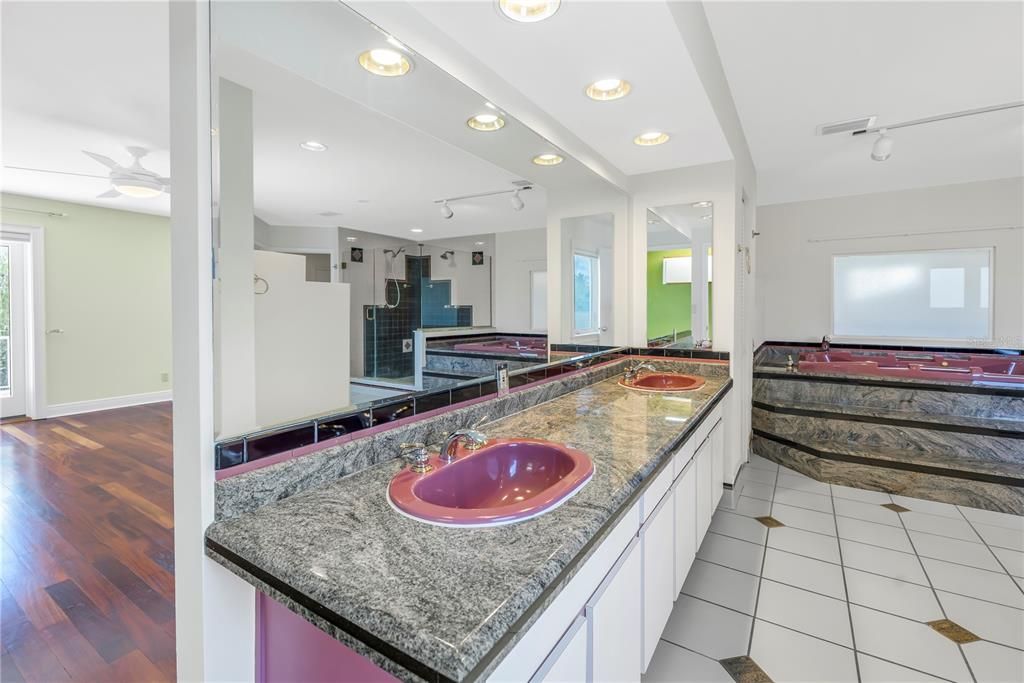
[12, 328]
[615, 622]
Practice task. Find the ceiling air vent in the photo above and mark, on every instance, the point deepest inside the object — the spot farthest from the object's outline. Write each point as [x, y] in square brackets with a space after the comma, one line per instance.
[846, 126]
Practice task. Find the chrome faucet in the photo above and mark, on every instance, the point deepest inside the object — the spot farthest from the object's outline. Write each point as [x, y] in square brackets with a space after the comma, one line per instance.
[472, 437]
[633, 372]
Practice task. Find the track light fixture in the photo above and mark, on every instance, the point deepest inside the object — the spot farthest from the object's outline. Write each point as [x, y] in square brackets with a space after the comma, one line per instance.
[517, 202]
[882, 149]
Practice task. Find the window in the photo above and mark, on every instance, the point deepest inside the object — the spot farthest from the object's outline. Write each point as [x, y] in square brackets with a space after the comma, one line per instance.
[585, 295]
[942, 294]
[538, 300]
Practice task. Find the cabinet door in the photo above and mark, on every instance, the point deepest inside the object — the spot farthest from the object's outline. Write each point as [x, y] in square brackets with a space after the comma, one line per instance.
[705, 508]
[685, 507]
[717, 440]
[657, 545]
[614, 621]
[568, 662]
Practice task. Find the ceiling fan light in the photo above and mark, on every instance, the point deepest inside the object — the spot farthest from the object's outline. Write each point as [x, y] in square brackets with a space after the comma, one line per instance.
[138, 188]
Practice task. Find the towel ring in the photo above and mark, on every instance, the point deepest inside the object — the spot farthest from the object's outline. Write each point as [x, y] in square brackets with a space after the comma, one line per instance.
[256, 279]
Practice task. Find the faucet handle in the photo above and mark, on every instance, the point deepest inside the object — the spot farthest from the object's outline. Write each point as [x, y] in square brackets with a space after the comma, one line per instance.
[476, 425]
[416, 453]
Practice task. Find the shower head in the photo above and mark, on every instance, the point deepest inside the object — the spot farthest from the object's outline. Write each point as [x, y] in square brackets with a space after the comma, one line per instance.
[448, 253]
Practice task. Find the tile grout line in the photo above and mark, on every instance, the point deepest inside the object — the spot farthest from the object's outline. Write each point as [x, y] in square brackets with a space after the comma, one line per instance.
[760, 574]
[846, 589]
[870, 545]
[998, 560]
[935, 594]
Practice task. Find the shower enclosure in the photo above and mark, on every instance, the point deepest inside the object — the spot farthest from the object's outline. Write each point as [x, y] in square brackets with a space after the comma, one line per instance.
[402, 288]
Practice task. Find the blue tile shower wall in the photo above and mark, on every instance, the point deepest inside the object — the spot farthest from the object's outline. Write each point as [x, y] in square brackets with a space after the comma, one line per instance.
[424, 303]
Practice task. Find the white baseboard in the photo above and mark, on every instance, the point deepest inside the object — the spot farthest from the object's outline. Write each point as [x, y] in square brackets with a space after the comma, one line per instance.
[77, 407]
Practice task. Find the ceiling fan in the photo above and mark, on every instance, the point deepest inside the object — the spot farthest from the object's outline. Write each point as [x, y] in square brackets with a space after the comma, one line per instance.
[129, 181]
[134, 180]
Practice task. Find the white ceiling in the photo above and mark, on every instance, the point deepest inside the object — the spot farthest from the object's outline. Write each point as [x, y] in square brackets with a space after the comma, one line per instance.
[83, 75]
[676, 226]
[552, 62]
[794, 65]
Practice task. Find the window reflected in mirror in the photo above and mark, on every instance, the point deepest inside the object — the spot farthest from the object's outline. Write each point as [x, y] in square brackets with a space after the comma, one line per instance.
[679, 275]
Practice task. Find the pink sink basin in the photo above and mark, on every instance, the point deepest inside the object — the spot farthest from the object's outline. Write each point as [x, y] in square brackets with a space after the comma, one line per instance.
[664, 382]
[508, 480]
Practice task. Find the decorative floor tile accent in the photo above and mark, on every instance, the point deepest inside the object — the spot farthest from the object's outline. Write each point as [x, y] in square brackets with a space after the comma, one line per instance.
[769, 521]
[953, 631]
[895, 507]
[745, 670]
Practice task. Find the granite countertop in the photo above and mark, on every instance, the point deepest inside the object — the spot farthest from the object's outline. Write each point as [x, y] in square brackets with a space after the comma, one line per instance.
[436, 603]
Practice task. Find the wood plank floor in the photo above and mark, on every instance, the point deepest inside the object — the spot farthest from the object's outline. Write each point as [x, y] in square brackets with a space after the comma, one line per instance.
[87, 576]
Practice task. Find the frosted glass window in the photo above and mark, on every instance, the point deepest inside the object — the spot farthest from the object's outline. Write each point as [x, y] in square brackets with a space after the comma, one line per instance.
[942, 294]
[675, 269]
[947, 288]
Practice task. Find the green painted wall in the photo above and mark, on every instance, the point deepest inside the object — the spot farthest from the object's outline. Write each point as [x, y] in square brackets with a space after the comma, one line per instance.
[108, 286]
[668, 306]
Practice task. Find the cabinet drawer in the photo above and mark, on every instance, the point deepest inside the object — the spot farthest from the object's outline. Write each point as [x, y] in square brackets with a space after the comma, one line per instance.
[656, 491]
[683, 456]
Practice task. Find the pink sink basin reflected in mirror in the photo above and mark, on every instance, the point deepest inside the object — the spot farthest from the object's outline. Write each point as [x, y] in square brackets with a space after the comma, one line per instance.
[664, 382]
[508, 480]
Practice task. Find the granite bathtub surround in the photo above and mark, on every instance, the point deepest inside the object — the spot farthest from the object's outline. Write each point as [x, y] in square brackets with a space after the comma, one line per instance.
[435, 603]
[475, 366]
[954, 444]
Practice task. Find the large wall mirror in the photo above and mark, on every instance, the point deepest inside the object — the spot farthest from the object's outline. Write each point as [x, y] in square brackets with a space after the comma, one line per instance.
[679, 275]
[381, 228]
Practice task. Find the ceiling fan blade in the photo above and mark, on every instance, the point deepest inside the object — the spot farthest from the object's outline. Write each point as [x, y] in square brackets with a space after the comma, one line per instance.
[46, 170]
[106, 161]
[109, 193]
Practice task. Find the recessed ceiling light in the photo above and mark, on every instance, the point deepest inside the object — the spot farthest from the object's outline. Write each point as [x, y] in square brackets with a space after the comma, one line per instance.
[654, 137]
[313, 146]
[415, 229]
[384, 62]
[479, 244]
[486, 122]
[528, 11]
[608, 89]
[547, 160]
[351, 239]
[701, 205]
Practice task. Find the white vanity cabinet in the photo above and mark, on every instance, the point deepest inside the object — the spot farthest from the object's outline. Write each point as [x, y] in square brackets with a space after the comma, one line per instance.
[657, 545]
[570, 660]
[605, 623]
[613, 619]
[684, 502]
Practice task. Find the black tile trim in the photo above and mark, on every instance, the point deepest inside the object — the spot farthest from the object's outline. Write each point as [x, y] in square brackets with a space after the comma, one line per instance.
[891, 421]
[541, 357]
[898, 347]
[892, 464]
[664, 352]
[915, 385]
[376, 643]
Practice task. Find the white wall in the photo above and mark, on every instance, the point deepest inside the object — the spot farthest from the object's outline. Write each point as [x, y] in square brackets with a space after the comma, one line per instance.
[799, 239]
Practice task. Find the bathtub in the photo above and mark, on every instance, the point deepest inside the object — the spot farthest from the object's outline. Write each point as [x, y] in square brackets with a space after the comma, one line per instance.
[945, 367]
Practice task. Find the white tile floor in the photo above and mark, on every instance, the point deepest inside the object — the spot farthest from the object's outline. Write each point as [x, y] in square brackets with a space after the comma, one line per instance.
[844, 591]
